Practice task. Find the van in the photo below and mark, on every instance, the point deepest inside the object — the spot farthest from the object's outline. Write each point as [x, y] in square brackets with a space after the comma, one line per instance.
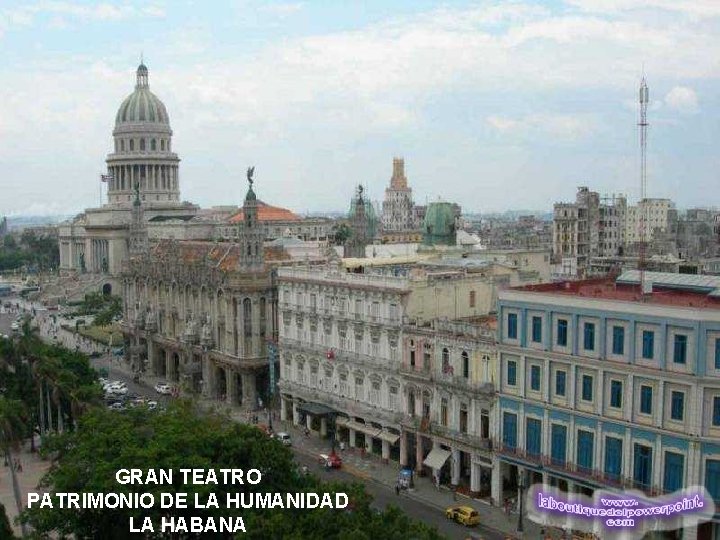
[284, 438]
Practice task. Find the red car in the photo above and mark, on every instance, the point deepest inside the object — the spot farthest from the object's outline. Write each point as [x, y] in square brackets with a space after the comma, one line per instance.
[332, 461]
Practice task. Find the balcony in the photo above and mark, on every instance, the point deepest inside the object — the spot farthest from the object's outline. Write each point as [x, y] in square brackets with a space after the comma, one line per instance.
[470, 439]
[423, 372]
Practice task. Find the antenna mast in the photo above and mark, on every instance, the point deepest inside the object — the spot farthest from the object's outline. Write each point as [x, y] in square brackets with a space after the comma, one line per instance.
[643, 124]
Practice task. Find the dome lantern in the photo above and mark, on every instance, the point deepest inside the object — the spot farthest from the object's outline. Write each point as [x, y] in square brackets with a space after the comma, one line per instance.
[142, 76]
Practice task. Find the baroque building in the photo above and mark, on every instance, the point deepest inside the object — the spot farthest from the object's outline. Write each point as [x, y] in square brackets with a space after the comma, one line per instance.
[202, 314]
[400, 217]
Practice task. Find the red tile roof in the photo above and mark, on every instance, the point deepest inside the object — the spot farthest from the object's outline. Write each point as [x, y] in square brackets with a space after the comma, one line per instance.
[268, 213]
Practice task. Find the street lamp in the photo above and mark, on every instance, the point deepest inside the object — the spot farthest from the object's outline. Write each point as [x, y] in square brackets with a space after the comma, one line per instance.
[521, 487]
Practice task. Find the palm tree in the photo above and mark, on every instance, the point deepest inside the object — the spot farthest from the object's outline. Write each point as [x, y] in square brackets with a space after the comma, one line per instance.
[12, 429]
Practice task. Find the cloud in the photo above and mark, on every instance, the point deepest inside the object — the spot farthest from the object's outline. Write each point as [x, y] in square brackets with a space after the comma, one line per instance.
[564, 126]
[682, 99]
[282, 9]
[694, 8]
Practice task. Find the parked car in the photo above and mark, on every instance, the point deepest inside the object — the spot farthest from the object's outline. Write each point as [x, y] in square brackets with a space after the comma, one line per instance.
[284, 438]
[117, 406]
[163, 388]
[464, 515]
[151, 405]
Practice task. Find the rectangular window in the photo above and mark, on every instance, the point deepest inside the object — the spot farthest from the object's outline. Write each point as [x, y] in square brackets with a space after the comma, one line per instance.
[616, 394]
[589, 336]
[587, 388]
[562, 332]
[618, 340]
[613, 456]
[533, 436]
[511, 373]
[712, 478]
[642, 465]
[472, 298]
[716, 411]
[560, 383]
[673, 474]
[512, 326]
[535, 378]
[677, 406]
[646, 393]
[537, 329]
[648, 344]
[558, 440]
[680, 349]
[717, 353]
[509, 430]
[585, 449]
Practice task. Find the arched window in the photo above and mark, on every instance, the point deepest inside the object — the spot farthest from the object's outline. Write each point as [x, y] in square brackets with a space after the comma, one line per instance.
[132, 145]
[122, 145]
[445, 360]
[263, 319]
[247, 317]
[162, 144]
[142, 145]
[465, 365]
[153, 145]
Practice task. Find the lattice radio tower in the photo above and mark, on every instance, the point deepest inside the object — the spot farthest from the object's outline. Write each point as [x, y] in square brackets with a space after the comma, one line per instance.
[643, 124]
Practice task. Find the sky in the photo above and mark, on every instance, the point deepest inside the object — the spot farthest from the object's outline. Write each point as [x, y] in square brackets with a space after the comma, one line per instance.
[494, 105]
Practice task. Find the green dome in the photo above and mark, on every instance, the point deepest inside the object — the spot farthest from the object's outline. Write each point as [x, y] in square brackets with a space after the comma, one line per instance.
[439, 225]
[142, 106]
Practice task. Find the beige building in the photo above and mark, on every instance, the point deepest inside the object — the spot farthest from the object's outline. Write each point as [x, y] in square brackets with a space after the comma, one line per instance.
[659, 216]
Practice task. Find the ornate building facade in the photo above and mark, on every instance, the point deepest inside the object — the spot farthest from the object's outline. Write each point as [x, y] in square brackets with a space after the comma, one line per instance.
[399, 216]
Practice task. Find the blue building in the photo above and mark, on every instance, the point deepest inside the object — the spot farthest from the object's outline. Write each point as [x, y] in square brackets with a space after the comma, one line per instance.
[602, 386]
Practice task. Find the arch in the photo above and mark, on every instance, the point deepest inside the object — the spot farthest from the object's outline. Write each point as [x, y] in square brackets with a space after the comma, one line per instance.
[122, 145]
[153, 145]
[263, 316]
[132, 144]
[142, 145]
[107, 289]
[465, 364]
[162, 145]
[247, 317]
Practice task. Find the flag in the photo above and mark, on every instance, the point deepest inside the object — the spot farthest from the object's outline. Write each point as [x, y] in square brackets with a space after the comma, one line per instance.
[106, 177]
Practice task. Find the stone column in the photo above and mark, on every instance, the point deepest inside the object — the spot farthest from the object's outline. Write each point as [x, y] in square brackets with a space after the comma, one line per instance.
[475, 477]
[308, 421]
[455, 467]
[323, 427]
[151, 354]
[403, 449]
[231, 387]
[283, 409]
[351, 438]
[418, 453]
[296, 414]
[496, 482]
[206, 375]
[385, 449]
[249, 397]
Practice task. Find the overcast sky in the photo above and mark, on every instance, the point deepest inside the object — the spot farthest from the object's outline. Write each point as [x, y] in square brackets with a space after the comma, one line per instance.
[495, 105]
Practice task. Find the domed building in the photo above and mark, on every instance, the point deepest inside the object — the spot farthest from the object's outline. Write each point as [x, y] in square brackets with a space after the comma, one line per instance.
[142, 168]
[440, 224]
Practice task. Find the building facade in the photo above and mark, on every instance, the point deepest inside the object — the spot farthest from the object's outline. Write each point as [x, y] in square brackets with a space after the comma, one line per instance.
[598, 389]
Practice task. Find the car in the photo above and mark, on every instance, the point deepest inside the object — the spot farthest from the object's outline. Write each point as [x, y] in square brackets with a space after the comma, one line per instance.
[465, 515]
[151, 405]
[116, 406]
[284, 438]
[117, 388]
[15, 326]
[163, 388]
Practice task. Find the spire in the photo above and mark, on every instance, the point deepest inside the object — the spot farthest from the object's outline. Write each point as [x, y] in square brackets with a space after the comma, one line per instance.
[142, 74]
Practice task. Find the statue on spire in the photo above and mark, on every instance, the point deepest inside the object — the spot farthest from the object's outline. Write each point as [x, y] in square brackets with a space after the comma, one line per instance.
[250, 172]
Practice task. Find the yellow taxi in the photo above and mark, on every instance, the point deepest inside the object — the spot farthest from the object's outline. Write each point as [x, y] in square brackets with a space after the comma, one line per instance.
[463, 514]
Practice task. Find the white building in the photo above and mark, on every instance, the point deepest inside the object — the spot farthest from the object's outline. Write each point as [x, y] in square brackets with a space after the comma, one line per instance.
[660, 215]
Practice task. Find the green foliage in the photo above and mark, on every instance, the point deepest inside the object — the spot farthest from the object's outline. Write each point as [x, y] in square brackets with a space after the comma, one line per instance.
[342, 233]
[31, 252]
[6, 531]
[183, 437]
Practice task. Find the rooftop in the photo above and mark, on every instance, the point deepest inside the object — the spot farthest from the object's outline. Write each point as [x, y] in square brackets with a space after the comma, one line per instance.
[268, 213]
[681, 290]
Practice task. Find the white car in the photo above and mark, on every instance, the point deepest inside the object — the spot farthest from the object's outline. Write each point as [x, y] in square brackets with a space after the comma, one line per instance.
[163, 388]
[118, 388]
[284, 438]
[117, 406]
[14, 327]
[152, 405]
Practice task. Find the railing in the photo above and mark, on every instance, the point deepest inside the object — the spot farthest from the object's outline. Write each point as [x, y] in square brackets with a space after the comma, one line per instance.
[344, 278]
[347, 356]
[463, 328]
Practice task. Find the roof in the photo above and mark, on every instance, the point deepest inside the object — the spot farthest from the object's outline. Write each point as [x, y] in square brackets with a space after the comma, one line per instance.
[225, 256]
[267, 213]
[681, 290]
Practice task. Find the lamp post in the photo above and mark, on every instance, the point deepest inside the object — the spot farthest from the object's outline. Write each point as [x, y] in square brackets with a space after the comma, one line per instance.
[521, 487]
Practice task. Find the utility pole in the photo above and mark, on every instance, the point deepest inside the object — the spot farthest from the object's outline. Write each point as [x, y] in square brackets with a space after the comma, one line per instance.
[643, 124]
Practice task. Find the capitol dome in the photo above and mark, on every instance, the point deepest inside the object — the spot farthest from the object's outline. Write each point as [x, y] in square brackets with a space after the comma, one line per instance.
[142, 106]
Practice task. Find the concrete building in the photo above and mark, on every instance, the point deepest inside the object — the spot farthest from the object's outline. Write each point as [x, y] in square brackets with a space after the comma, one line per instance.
[660, 216]
[602, 389]
[400, 216]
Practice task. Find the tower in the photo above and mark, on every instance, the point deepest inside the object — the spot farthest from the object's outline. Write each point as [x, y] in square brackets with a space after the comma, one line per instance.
[360, 215]
[251, 234]
[644, 98]
[397, 208]
[138, 237]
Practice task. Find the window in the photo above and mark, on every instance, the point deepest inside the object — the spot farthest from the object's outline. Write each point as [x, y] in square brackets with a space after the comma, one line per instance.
[445, 360]
[509, 430]
[613, 456]
[642, 465]
[535, 378]
[512, 326]
[587, 388]
[444, 412]
[122, 145]
[465, 364]
[153, 145]
[717, 353]
[648, 344]
[646, 393]
[673, 474]
[716, 411]
[616, 394]
[712, 478]
[472, 298]
[677, 405]
[533, 436]
[585, 449]
[537, 329]
[560, 377]
[618, 340]
[132, 145]
[393, 398]
[562, 332]
[142, 145]
[511, 373]
[463, 418]
[680, 349]
[162, 144]
[558, 440]
[589, 336]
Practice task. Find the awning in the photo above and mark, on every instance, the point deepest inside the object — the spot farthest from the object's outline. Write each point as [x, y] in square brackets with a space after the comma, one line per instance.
[315, 409]
[341, 421]
[363, 428]
[436, 458]
[389, 436]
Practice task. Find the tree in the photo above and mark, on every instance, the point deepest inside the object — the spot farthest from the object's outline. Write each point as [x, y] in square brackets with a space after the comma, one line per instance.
[12, 430]
[342, 234]
[87, 459]
[5, 528]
